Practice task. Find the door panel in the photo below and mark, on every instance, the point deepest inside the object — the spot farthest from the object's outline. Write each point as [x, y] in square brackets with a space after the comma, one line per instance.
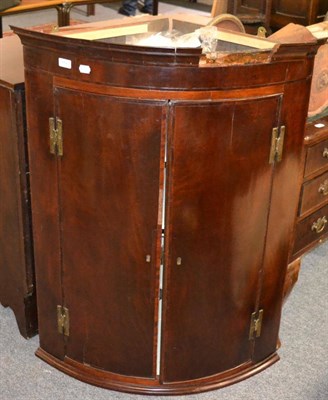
[219, 199]
[109, 196]
[284, 203]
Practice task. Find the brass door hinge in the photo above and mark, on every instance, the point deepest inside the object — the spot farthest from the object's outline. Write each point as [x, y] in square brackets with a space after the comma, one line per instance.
[277, 144]
[256, 325]
[63, 320]
[56, 136]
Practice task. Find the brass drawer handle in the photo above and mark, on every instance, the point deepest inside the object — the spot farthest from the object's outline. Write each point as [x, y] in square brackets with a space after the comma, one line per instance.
[320, 225]
[325, 153]
[323, 189]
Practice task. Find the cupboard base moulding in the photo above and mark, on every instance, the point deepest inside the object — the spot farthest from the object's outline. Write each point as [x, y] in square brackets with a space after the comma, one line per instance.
[107, 380]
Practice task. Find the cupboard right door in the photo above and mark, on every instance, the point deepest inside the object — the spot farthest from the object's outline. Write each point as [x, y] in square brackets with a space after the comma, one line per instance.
[218, 189]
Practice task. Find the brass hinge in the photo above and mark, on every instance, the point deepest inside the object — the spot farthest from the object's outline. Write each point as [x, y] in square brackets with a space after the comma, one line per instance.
[63, 320]
[277, 144]
[256, 325]
[56, 136]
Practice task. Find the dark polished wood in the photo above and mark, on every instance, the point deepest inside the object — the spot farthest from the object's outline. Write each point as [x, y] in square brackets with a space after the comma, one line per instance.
[317, 159]
[314, 194]
[311, 228]
[303, 12]
[110, 205]
[291, 277]
[306, 236]
[276, 14]
[144, 120]
[17, 281]
[121, 383]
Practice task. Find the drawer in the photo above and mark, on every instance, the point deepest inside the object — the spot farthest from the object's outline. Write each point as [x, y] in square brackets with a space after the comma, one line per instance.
[314, 193]
[317, 158]
[311, 230]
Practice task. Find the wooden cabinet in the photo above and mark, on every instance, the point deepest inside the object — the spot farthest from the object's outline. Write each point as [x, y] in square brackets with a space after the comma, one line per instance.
[312, 223]
[277, 13]
[203, 240]
[303, 12]
[17, 286]
[163, 209]
[251, 12]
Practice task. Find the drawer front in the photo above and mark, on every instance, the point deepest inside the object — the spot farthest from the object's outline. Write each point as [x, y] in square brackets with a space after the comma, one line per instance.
[314, 193]
[317, 158]
[311, 229]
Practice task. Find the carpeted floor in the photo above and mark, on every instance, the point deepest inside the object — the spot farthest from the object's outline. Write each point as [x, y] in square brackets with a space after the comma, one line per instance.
[302, 373]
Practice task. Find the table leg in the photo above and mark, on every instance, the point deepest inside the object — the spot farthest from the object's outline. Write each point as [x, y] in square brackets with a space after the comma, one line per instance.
[155, 7]
[91, 9]
[1, 27]
[63, 12]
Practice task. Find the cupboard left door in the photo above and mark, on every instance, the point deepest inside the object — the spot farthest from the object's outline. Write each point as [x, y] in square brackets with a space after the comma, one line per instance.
[17, 286]
[108, 209]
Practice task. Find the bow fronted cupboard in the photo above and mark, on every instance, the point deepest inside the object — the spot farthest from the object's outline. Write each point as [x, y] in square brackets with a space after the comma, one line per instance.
[164, 195]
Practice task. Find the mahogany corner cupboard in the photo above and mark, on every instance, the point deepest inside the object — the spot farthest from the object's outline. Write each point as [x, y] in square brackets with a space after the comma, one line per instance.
[164, 194]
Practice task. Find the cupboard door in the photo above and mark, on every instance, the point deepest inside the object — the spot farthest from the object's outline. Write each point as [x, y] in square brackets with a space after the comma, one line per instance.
[285, 195]
[108, 192]
[219, 188]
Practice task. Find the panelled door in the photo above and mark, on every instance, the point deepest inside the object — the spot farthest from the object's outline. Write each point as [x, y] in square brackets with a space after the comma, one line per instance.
[108, 194]
[221, 173]
[219, 186]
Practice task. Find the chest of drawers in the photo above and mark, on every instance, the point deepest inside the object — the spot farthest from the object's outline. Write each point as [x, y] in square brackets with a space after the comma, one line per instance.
[312, 222]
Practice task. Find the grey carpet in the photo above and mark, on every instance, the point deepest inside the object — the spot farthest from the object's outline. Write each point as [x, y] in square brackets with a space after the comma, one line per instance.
[301, 374]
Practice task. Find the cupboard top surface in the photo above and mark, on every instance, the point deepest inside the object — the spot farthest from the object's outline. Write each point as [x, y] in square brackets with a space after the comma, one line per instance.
[164, 68]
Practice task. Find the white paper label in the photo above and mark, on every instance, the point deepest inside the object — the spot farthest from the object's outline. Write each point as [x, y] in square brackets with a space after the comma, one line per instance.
[319, 125]
[65, 63]
[84, 69]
